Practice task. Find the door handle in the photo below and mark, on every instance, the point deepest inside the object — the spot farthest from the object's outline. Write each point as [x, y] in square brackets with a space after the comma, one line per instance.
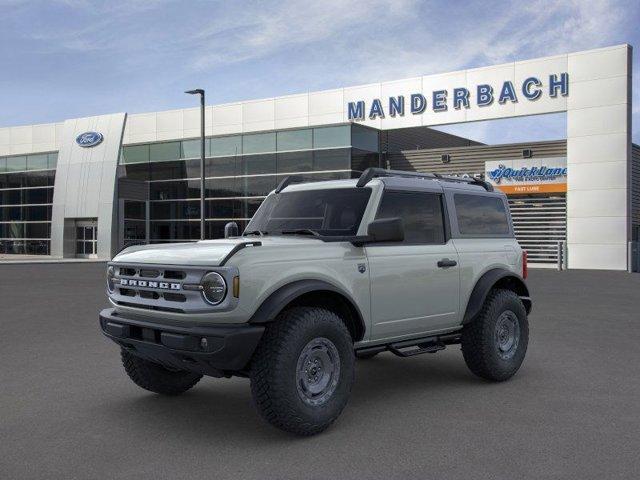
[445, 262]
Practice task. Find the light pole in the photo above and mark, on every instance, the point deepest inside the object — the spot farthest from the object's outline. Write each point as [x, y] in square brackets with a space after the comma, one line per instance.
[200, 91]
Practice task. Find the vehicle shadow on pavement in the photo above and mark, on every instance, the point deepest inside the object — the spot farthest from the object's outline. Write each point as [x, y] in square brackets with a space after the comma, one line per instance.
[390, 378]
[223, 409]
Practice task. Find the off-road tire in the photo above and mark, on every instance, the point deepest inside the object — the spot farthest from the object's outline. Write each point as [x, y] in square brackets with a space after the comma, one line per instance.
[480, 345]
[275, 364]
[155, 378]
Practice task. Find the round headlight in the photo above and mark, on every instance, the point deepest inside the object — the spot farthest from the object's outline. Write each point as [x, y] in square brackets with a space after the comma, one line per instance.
[214, 288]
[111, 273]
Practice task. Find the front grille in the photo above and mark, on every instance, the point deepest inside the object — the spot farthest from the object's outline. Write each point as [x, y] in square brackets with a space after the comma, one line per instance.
[156, 288]
[151, 273]
[174, 275]
[147, 273]
[148, 294]
[174, 297]
[151, 307]
[160, 288]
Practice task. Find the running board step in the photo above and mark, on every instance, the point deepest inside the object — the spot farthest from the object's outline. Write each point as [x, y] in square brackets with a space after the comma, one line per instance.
[416, 346]
[411, 350]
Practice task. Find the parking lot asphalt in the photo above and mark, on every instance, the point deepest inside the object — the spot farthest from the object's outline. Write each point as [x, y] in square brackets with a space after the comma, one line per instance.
[68, 411]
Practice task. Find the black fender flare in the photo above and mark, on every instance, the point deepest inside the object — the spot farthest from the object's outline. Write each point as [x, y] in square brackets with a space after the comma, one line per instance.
[283, 296]
[489, 280]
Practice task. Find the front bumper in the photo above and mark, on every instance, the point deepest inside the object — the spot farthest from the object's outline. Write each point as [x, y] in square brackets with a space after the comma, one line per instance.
[209, 350]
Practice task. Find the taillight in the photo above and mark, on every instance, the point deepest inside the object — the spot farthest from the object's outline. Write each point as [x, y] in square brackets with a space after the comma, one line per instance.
[525, 267]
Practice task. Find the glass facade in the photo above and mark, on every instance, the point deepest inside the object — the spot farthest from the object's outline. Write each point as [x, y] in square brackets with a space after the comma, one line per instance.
[240, 171]
[26, 196]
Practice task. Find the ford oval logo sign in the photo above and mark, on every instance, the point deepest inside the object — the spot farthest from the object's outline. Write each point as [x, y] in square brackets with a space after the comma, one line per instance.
[89, 139]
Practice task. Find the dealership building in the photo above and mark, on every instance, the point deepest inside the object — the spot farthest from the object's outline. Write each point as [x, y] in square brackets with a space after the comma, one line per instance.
[87, 187]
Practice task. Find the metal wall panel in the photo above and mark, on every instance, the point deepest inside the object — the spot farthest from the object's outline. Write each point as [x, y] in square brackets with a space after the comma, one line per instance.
[540, 224]
[85, 184]
[635, 186]
[471, 159]
[417, 138]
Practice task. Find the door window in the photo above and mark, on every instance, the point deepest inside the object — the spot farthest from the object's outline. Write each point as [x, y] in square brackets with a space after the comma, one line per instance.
[421, 214]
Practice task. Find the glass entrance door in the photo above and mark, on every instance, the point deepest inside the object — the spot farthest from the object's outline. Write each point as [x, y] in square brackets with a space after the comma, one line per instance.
[87, 239]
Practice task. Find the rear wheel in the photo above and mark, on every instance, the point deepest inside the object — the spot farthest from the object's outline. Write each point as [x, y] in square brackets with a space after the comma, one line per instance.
[303, 370]
[494, 344]
[156, 378]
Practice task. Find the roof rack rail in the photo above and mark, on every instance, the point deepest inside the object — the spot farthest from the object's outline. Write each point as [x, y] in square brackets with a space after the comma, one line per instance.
[285, 182]
[371, 173]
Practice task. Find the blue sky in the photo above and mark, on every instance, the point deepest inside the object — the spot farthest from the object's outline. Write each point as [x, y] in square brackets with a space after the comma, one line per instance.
[73, 58]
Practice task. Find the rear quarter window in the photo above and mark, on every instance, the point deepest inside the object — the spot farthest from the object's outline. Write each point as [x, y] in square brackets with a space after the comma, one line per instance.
[481, 215]
[421, 215]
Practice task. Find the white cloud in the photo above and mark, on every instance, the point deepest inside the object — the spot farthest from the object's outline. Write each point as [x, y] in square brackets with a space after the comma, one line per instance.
[260, 31]
[378, 38]
[278, 47]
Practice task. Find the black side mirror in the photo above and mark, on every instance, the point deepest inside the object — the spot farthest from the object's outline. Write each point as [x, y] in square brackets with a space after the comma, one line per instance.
[231, 230]
[386, 230]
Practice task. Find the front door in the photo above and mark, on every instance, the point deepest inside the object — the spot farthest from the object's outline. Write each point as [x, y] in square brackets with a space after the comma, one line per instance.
[414, 284]
[87, 238]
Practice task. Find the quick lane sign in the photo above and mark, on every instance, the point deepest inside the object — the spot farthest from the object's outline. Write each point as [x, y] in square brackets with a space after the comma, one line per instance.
[545, 175]
[481, 95]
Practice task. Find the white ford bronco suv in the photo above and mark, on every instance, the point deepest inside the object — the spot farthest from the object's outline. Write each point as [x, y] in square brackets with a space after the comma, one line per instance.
[325, 273]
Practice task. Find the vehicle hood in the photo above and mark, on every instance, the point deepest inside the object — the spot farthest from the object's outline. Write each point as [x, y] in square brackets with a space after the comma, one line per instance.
[204, 252]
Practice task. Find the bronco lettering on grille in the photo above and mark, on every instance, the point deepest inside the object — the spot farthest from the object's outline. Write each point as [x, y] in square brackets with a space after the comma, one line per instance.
[149, 284]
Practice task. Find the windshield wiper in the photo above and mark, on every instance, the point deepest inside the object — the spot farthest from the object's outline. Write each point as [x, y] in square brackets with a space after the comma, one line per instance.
[301, 231]
[254, 232]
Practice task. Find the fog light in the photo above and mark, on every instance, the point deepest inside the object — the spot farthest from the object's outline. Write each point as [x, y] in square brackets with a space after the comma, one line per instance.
[204, 343]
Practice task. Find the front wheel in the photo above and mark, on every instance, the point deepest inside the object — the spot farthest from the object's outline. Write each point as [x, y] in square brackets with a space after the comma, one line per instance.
[495, 342]
[303, 370]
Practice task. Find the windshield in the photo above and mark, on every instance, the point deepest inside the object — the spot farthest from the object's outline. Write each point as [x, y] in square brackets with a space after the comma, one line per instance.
[334, 211]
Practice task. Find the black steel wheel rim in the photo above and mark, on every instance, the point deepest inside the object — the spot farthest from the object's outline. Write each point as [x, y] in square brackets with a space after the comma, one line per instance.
[318, 371]
[507, 334]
